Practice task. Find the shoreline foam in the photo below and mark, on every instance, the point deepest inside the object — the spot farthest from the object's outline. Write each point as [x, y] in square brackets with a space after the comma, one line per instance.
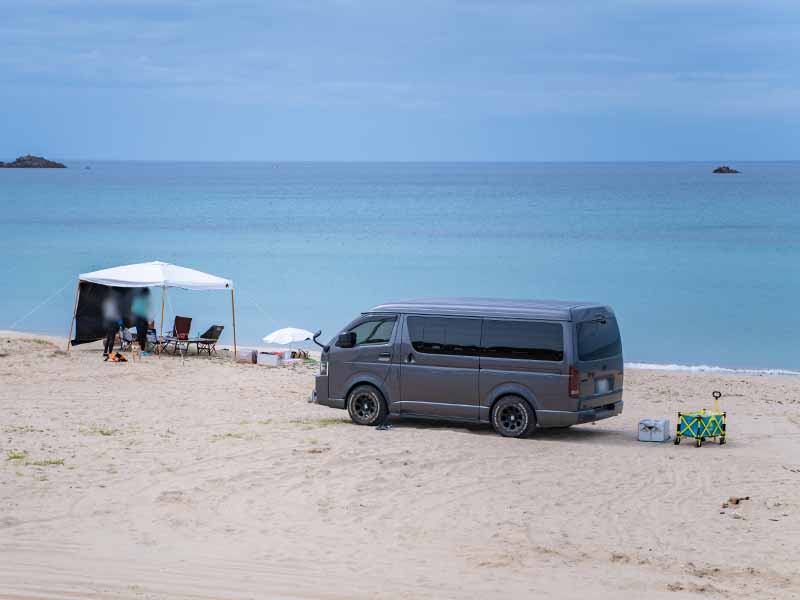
[708, 369]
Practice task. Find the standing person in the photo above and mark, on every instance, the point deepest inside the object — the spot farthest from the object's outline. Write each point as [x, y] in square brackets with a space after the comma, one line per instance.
[140, 310]
[111, 321]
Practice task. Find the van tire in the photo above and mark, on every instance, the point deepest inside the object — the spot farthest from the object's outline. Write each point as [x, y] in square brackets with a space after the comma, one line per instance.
[366, 405]
[512, 416]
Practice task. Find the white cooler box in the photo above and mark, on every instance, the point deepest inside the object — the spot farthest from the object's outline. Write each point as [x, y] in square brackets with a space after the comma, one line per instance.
[654, 430]
[270, 360]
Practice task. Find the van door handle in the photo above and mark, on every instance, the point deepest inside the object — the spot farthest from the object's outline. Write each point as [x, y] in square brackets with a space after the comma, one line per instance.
[410, 358]
[384, 356]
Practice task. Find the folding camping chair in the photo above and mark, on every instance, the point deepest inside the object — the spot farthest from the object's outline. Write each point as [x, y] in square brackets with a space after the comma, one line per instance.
[128, 342]
[152, 339]
[126, 339]
[207, 342]
[178, 337]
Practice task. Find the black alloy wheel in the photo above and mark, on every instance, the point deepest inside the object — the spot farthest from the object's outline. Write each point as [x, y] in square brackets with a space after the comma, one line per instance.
[513, 417]
[366, 406]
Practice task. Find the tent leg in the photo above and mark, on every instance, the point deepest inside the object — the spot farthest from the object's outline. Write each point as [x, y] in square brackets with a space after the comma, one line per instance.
[233, 314]
[74, 310]
[161, 325]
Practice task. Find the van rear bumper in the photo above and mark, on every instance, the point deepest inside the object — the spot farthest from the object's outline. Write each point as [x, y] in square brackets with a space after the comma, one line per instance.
[562, 418]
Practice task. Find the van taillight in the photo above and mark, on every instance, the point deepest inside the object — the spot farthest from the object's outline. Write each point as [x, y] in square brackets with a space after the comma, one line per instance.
[574, 383]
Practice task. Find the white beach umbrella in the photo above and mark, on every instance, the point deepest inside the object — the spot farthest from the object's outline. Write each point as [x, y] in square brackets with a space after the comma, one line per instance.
[288, 335]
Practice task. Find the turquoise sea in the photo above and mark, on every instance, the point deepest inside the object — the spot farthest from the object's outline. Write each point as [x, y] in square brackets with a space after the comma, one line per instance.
[702, 269]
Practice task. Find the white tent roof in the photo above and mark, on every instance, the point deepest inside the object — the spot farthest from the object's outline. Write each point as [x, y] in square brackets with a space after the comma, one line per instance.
[157, 274]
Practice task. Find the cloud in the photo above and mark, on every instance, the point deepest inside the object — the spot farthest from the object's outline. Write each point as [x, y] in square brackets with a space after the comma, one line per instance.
[472, 56]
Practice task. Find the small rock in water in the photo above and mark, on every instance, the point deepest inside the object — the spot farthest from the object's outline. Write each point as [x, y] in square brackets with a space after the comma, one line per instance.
[32, 162]
[725, 169]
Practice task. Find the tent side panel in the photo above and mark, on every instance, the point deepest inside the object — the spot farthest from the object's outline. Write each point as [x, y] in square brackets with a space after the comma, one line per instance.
[90, 322]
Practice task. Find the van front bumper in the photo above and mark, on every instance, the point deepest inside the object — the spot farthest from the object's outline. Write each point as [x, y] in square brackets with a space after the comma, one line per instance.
[319, 394]
[561, 418]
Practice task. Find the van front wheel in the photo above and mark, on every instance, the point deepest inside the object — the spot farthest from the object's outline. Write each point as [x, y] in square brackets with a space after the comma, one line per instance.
[513, 417]
[366, 406]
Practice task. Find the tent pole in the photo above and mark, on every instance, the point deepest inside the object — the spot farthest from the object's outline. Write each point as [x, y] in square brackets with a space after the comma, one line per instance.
[161, 325]
[74, 310]
[233, 314]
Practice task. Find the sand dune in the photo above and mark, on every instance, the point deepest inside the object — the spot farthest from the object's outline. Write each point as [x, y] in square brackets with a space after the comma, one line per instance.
[165, 478]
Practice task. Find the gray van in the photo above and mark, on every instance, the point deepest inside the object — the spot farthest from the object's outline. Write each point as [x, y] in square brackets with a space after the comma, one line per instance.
[516, 364]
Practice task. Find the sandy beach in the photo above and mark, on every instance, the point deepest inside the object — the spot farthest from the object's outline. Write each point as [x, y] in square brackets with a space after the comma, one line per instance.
[164, 478]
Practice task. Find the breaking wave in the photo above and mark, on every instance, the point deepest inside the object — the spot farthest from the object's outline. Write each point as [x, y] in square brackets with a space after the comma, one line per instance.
[708, 369]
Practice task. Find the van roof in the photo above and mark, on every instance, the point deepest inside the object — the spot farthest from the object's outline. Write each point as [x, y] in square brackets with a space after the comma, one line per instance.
[557, 310]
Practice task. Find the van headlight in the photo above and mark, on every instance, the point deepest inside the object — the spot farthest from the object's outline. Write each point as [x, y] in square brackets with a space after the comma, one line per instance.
[323, 367]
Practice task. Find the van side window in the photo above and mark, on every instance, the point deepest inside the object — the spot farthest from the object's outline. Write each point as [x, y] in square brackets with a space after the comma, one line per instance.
[445, 335]
[374, 331]
[526, 340]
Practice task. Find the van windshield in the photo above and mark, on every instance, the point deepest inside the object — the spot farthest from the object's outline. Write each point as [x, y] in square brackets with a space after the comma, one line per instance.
[598, 339]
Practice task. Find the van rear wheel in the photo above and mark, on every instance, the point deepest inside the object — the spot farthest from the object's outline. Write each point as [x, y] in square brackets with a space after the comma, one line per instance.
[366, 406]
[513, 417]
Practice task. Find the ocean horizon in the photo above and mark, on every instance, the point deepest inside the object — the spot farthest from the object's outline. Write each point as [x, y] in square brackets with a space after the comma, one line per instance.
[700, 268]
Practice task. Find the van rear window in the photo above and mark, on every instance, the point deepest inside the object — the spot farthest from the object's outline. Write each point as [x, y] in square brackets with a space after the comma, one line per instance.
[598, 339]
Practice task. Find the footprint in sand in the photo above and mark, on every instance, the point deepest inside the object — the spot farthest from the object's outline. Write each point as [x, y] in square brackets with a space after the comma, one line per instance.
[174, 497]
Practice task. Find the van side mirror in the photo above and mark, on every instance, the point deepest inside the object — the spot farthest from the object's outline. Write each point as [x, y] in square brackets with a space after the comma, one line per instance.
[315, 336]
[324, 347]
[346, 340]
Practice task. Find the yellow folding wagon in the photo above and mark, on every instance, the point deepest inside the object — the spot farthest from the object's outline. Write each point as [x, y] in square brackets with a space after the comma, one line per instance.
[703, 424]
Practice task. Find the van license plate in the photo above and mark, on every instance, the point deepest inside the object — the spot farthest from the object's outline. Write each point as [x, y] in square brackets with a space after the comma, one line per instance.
[602, 386]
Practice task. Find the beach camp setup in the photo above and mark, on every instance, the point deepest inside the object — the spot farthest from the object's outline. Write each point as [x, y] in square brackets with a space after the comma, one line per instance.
[92, 288]
[288, 335]
[281, 337]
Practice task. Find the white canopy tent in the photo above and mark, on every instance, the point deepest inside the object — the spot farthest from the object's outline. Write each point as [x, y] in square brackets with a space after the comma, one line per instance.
[157, 274]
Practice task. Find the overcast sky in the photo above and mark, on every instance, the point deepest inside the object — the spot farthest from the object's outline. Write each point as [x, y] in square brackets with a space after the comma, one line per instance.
[401, 80]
